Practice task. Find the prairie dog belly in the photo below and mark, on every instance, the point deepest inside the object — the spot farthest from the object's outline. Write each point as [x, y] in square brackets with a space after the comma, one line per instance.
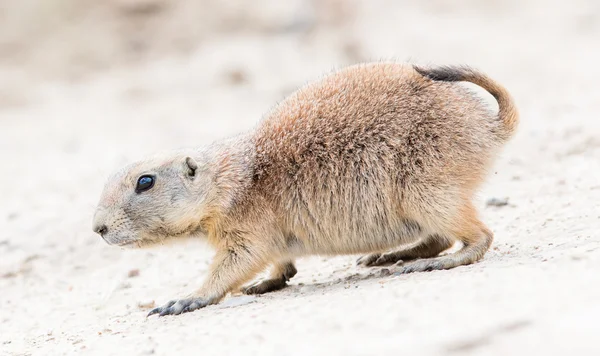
[349, 216]
[368, 238]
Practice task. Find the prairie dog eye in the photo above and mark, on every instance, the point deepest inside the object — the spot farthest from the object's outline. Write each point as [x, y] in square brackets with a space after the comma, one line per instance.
[144, 183]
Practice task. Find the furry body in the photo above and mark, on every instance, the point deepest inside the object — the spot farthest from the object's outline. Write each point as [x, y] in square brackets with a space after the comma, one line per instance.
[369, 159]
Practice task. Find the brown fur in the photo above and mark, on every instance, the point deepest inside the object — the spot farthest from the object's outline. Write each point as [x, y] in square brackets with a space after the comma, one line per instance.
[370, 158]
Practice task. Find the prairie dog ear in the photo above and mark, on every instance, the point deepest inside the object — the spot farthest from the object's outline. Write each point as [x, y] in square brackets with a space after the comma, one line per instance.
[190, 167]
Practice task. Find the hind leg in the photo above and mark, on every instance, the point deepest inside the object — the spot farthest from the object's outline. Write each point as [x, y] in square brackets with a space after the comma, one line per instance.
[475, 236]
[429, 247]
[282, 272]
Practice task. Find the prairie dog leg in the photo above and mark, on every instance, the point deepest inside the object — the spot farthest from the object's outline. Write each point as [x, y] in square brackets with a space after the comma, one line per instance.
[232, 266]
[430, 246]
[281, 273]
[476, 238]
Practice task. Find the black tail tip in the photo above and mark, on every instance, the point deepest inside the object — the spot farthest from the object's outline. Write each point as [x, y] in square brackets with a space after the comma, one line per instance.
[444, 73]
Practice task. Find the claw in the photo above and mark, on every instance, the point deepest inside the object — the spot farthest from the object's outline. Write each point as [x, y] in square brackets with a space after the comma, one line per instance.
[161, 309]
[153, 311]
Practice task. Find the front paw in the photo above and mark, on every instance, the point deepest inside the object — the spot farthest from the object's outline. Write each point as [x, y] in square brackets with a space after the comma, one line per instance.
[176, 307]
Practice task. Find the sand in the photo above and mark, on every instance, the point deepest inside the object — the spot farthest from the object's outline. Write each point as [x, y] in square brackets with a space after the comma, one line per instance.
[536, 292]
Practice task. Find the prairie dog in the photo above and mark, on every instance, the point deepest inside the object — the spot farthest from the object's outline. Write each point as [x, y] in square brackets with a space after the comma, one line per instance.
[366, 160]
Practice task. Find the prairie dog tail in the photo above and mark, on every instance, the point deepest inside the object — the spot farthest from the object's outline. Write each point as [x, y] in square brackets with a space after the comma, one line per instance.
[507, 113]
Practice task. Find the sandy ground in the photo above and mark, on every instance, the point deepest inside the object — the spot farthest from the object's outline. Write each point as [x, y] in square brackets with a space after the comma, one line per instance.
[537, 292]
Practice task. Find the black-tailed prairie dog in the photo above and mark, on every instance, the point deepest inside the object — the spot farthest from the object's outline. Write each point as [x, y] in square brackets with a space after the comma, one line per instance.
[366, 160]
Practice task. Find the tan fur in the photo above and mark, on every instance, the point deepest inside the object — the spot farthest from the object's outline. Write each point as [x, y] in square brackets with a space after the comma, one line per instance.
[370, 158]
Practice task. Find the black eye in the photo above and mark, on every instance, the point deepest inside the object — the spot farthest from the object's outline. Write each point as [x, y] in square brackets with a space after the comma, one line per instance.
[144, 183]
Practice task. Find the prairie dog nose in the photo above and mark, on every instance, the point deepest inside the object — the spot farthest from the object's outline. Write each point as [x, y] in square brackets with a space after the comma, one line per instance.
[99, 222]
[100, 229]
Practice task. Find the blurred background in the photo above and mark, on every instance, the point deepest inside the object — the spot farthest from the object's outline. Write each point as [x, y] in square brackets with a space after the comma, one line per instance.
[87, 86]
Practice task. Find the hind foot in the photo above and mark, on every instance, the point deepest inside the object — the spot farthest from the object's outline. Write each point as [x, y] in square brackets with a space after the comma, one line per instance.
[381, 259]
[430, 246]
[472, 252]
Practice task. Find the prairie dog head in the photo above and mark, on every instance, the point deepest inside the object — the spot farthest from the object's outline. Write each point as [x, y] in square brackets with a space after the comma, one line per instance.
[153, 200]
